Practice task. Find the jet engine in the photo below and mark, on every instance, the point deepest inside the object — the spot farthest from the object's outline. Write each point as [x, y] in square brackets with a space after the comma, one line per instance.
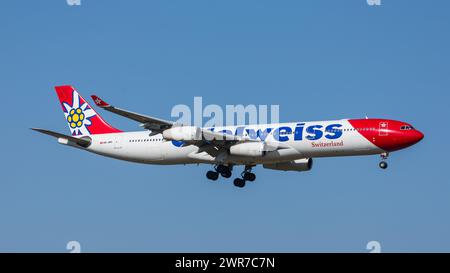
[254, 149]
[183, 133]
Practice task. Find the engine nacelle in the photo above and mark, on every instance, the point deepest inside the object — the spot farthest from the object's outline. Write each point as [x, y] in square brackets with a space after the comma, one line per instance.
[254, 149]
[299, 165]
[183, 133]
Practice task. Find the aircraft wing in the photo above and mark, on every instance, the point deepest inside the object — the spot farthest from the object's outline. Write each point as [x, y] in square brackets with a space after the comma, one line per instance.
[65, 139]
[219, 140]
[217, 136]
[150, 123]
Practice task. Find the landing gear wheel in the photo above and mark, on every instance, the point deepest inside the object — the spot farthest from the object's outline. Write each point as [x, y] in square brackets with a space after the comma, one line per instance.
[249, 176]
[222, 168]
[211, 175]
[238, 182]
[226, 174]
[224, 171]
[383, 165]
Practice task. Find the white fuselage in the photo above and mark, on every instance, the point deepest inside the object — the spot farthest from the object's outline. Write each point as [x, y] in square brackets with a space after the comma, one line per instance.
[298, 140]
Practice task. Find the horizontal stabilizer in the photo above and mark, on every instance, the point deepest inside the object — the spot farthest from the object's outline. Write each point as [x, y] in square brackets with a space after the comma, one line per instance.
[65, 139]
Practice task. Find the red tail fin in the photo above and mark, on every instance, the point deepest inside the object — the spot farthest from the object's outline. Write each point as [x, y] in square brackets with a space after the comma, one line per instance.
[80, 116]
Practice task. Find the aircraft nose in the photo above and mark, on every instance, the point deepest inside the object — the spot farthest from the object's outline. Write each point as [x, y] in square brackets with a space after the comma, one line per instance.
[414, 136]
[419, 136]
[411, 137]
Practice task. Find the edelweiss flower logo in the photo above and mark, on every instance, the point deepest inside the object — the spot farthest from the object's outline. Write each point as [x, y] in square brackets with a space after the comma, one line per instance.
[75, 118]
[78, 116]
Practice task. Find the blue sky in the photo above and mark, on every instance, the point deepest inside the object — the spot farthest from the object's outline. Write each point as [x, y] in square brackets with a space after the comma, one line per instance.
[317, 59]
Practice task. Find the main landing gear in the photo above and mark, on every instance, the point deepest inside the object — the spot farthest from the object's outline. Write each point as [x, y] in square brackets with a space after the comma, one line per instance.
[383, 164]
[226, 172]
[247, 175]
[212, 175]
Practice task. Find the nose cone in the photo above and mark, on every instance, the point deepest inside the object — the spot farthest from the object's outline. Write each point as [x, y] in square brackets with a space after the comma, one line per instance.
[419, 136]
[412, 137]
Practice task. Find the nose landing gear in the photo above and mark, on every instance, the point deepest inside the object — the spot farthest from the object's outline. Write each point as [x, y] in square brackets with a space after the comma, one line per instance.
[383, 164]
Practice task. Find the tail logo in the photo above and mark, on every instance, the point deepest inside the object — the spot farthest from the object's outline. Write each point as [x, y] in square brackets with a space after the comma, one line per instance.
[75, 118]
[78, 116]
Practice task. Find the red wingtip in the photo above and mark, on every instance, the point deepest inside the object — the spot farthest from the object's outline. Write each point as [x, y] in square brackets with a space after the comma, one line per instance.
[99, 102]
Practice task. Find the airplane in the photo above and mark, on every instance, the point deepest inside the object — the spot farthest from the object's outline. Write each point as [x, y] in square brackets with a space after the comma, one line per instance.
[283, 146]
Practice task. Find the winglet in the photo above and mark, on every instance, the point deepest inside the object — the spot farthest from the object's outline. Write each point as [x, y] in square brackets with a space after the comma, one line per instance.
[99, 102]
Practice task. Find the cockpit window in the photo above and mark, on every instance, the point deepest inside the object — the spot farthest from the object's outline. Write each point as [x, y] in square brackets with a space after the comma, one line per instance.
[406, 127]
